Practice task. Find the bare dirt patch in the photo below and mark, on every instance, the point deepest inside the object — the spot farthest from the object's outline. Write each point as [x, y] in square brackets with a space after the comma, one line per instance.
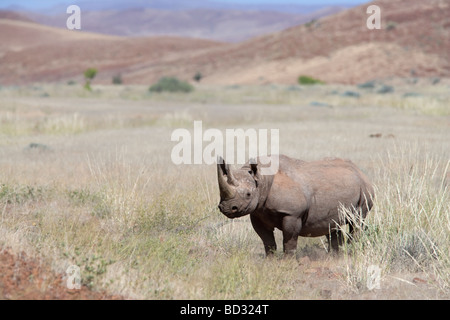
[25, 278]
[326, 279]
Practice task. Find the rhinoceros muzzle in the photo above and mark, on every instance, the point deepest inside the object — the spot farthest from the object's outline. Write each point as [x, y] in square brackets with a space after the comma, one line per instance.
[234, 211]
[229, 214]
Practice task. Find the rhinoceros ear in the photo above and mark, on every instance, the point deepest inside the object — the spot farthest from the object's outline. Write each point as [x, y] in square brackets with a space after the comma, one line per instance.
[255, 172]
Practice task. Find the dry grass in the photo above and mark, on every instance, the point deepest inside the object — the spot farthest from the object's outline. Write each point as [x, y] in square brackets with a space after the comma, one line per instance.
[105, 195]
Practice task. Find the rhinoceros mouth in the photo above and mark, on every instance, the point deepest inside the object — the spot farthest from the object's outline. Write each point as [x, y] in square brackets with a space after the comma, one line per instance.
[238, 213]
[235, 215]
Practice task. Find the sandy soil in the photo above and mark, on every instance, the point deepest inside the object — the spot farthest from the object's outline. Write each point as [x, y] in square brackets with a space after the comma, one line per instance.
[25, 278]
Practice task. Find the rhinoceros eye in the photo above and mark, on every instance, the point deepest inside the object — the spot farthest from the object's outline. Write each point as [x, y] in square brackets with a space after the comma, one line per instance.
[248, 194]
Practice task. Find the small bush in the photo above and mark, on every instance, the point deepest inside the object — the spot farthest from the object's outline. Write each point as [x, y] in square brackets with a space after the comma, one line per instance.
[367, 85]
[385, 89]
[411, 94]
[198, 77]
[435, 80]
[89, 74]
[320, 104]
[38, 147]
[311, 23]
[307, 80]
[353, 94]
[117, 79]
[171, 84]
[391, 25]
[293, 88]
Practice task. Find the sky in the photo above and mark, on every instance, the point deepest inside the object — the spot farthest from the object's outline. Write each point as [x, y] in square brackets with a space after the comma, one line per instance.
[42, 4]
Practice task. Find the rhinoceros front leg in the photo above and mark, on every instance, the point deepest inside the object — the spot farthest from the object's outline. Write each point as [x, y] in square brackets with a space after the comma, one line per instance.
[291, 230]
[265, 234]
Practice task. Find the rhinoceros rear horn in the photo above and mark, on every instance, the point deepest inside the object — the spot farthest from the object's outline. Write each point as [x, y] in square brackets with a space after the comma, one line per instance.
[225, 186]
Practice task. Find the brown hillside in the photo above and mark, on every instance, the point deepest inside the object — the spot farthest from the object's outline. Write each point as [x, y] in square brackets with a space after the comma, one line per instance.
[11, 15]
[36, 53]
[414, 41]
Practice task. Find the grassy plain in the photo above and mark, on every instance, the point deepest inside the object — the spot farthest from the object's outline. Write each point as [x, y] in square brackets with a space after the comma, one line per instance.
[86, 179]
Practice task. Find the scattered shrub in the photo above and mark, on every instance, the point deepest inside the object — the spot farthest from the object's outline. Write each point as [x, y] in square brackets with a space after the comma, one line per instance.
[312, 23]
[89, 74]
[391, 25]
[307, 80]
[385, 89]
[320, 104]
[435, 80]
[411, 94]
[37, 146]
[294, 88]
[353, 94]
[198, 77]
[171, 84]
[367, 85]
[117, 79]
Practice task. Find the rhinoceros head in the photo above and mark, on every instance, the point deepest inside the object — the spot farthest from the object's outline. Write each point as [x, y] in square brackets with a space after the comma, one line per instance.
[239, 193]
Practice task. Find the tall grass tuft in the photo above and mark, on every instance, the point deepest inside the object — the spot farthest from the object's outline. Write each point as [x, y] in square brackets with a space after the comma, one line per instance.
[408, 228]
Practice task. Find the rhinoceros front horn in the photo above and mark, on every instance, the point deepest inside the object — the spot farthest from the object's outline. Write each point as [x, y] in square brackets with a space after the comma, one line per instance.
[225, 186]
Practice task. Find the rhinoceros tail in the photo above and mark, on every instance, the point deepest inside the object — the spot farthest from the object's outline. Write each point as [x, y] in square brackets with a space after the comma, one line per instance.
[365, 202]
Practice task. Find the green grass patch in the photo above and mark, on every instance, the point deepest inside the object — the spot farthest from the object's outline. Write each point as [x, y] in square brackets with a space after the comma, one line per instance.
[307, 80]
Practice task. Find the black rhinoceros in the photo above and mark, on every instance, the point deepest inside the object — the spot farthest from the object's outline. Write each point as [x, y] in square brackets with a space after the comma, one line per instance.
[301, 199]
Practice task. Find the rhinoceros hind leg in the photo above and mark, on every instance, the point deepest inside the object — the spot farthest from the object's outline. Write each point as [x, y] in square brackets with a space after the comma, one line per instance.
[335, 239]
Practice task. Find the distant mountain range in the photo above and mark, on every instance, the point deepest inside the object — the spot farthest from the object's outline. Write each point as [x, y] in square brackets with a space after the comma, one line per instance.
[207, 23]
[182, 5]
[179, 5]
